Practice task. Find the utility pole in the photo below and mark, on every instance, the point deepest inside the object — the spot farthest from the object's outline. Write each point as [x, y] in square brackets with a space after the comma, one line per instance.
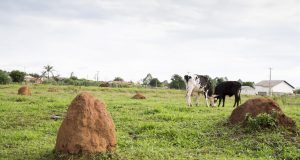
[97, 76]
[270, 93]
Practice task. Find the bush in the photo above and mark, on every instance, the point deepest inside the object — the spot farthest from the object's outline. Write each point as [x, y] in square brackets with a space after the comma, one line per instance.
[50, 81]
[17, 76]
[261, 121]
[104, 84]
[4, 77]
[177, 82]
[119, 79]
[297, 91]
[155, 82]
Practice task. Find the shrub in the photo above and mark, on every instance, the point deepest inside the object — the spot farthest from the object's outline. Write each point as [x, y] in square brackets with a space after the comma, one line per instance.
[155, 82]
[177, 82]
[297, 91]
[4, 77]
[50, 81]
[104, 84]
[261, 121]
[119, 79]
[17, 76]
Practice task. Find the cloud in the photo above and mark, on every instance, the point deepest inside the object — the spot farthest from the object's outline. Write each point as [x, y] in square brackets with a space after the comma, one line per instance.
[130, 38]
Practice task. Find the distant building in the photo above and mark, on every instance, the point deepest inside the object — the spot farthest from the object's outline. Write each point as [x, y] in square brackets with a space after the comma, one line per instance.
[278, 87]
[247, 90]
[30, 79]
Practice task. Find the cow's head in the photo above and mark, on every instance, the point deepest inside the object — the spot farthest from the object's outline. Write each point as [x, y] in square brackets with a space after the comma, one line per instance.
[213, 99]
[187, 78]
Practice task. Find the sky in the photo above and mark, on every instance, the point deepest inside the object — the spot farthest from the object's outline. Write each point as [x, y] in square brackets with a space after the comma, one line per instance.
[239, 39]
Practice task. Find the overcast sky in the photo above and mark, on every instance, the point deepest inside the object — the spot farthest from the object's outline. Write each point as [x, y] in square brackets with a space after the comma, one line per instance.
[239, 39]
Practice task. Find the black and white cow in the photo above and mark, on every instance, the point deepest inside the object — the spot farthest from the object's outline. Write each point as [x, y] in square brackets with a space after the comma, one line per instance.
[197, 84]
[228, 88]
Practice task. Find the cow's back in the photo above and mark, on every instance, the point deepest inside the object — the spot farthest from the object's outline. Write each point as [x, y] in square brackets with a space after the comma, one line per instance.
[228, 88]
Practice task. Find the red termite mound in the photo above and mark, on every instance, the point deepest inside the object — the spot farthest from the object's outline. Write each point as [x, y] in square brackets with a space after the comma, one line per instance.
[87, 127]
[257, 106]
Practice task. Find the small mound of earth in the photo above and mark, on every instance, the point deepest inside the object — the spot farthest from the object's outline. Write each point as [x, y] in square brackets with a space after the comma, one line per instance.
[87, 127]
[53, 89]
[257, 106]
[138, 96]
[24, 90]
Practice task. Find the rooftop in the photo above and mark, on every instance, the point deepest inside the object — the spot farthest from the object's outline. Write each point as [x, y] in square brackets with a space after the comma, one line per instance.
[265, 83]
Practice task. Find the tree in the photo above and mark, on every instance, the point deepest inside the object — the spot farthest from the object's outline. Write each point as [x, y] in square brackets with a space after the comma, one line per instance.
[48, 69]
[35, 75]
[17, 76]
[4, 77]
[177, 82]
[119, 79]
[251, 84]
[73, 77]
[297, 91]
[154, 82]
[147, 79]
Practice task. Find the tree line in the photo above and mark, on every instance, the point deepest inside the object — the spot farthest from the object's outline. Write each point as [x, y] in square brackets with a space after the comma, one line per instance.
[176, 82]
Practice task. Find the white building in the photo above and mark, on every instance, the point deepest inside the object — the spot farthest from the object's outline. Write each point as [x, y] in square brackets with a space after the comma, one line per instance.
[278, 87]
[247, 90]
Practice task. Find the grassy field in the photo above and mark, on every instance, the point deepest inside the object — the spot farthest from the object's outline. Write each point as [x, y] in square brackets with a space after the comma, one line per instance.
[160, 127]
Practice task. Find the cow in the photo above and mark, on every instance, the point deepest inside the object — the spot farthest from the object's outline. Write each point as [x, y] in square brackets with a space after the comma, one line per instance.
[228, 88]
[197, 84]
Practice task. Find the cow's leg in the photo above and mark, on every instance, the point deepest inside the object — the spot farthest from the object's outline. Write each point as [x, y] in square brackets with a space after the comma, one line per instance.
[188, 98]
[206, 98]
[197, 99]
[237, 100]
[220, 99]
[223, 100]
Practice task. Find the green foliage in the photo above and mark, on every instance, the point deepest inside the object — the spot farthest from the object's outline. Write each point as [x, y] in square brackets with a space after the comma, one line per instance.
[47, 71]
[155, 82]
[147, 79]
[17, 76]
[119, 79]
[35, 75]
[104, 84]
[177, 82]
[4, 77]
[73, 78]
[160, 127]
[250, 84]
[218, 80]
[50, 81]
[297, 91]
[261, 121]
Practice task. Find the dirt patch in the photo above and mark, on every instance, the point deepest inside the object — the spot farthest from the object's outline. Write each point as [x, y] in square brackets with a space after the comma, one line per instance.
[87, 128]
[257, 106]
[24, 90]
[138, 96]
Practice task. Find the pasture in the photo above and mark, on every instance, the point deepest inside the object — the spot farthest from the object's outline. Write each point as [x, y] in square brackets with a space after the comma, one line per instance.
[159, 127]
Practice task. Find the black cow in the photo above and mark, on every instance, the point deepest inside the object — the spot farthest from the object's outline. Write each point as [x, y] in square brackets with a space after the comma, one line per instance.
[228, 88]
[198, 84]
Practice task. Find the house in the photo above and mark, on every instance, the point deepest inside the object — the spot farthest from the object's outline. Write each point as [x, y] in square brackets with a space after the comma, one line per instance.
[278, 87]
[247, 90]
[30, 79]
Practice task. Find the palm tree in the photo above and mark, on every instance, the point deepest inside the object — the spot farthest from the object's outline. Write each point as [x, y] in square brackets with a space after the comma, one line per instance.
[48, 69]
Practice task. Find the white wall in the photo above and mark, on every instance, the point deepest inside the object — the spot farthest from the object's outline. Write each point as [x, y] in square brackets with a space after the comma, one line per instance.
[283, 88]
[261, 89]
[248, 91]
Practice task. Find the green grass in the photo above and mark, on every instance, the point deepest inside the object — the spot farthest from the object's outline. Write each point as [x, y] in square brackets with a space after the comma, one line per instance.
[160, 127]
